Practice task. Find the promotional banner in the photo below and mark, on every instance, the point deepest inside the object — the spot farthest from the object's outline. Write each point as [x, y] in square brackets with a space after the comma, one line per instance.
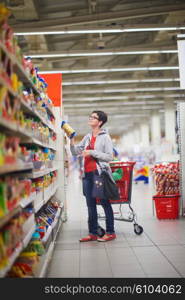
[54, 89]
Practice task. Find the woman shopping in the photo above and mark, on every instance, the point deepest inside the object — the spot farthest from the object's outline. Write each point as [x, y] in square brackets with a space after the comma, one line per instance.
[96, 145]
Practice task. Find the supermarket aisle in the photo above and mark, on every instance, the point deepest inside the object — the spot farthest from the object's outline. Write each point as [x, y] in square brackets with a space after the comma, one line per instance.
[158, 252]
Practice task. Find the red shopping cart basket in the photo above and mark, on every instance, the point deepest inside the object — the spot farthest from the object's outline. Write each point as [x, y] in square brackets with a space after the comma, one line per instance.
[125, 183]
[167, 206]
[125, 190]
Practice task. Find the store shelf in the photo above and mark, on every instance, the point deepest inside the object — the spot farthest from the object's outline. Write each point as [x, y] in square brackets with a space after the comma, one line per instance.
[24, 202]
[50, 110]
[43, 172]
[29, 170]
[56, 218]
[40, 270]
[8, 125]
[23, 76]
[24, 132]
[43, 120]
[49, 192]
[19, 69]
[11, 260]
[14, 129]
[35, 141]
[8, 216]
[38, 202]
[33, 111]
[4, 83]
[28, 236]
[18, 250]
[47, 234]
[59, 225]
[15, 168]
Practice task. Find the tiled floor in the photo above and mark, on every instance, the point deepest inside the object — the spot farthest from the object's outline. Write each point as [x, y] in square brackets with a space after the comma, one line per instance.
[158, 252]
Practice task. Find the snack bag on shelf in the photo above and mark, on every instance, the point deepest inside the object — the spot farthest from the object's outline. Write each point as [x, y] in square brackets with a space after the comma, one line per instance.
[4, 13]
[3, 256]
[3, 198]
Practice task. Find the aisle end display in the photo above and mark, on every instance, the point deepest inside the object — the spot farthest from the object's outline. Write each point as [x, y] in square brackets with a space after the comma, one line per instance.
[166, 179]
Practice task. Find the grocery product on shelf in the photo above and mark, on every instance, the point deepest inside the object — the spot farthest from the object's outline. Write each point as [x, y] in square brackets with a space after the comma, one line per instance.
[29, 258]
[10, 194]
[10, 237]
[27, 144]
[24, 265]
[40, 157]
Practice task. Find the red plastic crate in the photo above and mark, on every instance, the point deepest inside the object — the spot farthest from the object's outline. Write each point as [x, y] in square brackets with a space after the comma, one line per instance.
[167, 207]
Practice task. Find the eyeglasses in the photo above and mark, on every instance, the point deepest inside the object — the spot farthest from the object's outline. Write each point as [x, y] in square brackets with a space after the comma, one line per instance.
[93, 118]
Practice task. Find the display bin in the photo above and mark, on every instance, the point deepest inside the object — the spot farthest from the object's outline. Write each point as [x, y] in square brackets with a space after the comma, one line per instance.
[167, 206]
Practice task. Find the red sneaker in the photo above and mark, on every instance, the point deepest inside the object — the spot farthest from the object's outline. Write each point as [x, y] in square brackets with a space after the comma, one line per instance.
[107, 237]
[89, 238]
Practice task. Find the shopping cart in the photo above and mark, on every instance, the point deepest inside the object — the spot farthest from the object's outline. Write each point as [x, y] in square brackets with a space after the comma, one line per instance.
[125, 191]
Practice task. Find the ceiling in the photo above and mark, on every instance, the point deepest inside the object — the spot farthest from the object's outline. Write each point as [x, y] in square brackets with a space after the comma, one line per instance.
[118, 92]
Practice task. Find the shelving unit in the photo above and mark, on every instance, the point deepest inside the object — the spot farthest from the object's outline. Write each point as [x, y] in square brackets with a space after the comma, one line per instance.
[38, 200]
[181, 119]
[181, 125]
[41, 269]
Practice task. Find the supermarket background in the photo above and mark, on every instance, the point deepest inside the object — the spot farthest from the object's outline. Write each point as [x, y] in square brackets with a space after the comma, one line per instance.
[40, 180]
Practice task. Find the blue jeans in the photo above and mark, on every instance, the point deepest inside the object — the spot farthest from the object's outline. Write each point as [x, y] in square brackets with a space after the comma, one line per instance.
[92, 208]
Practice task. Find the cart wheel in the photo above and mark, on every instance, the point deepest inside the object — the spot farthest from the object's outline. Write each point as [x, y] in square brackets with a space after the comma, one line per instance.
[138, 229]
[100, 231]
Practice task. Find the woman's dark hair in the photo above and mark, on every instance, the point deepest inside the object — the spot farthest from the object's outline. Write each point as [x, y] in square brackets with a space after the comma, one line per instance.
[102, 116]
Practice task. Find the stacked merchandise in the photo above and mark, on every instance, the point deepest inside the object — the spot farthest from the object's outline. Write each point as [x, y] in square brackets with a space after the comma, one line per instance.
[28, 174]
[29, 259]
[166, 179]
[13, 191]
[13, 237]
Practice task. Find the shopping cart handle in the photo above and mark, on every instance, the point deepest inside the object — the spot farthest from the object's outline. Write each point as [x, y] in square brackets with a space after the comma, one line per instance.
[122, 163]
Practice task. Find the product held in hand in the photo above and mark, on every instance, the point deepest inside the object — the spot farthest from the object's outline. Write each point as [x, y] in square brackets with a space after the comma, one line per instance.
[68, 129]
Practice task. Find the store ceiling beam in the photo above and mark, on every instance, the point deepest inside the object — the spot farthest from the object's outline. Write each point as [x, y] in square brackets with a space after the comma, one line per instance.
[102, 17]
[158, 36]
[26, 12]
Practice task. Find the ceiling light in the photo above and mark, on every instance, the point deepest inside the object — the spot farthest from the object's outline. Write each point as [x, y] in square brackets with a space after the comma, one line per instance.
[65, 83]
[100, 53]
[114, 109]
[114, 98]
[112, 104]
[119, 98]
[110, 70]
[105, 30]
[153, 89]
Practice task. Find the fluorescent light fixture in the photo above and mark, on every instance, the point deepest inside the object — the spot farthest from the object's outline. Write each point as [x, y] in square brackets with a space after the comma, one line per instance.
[84, 99]
[112, 104]
[103, 30]
[115, 109]
[153, 89]
[100, 53]
[66, 83]
[181, 35]
[110, 70]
